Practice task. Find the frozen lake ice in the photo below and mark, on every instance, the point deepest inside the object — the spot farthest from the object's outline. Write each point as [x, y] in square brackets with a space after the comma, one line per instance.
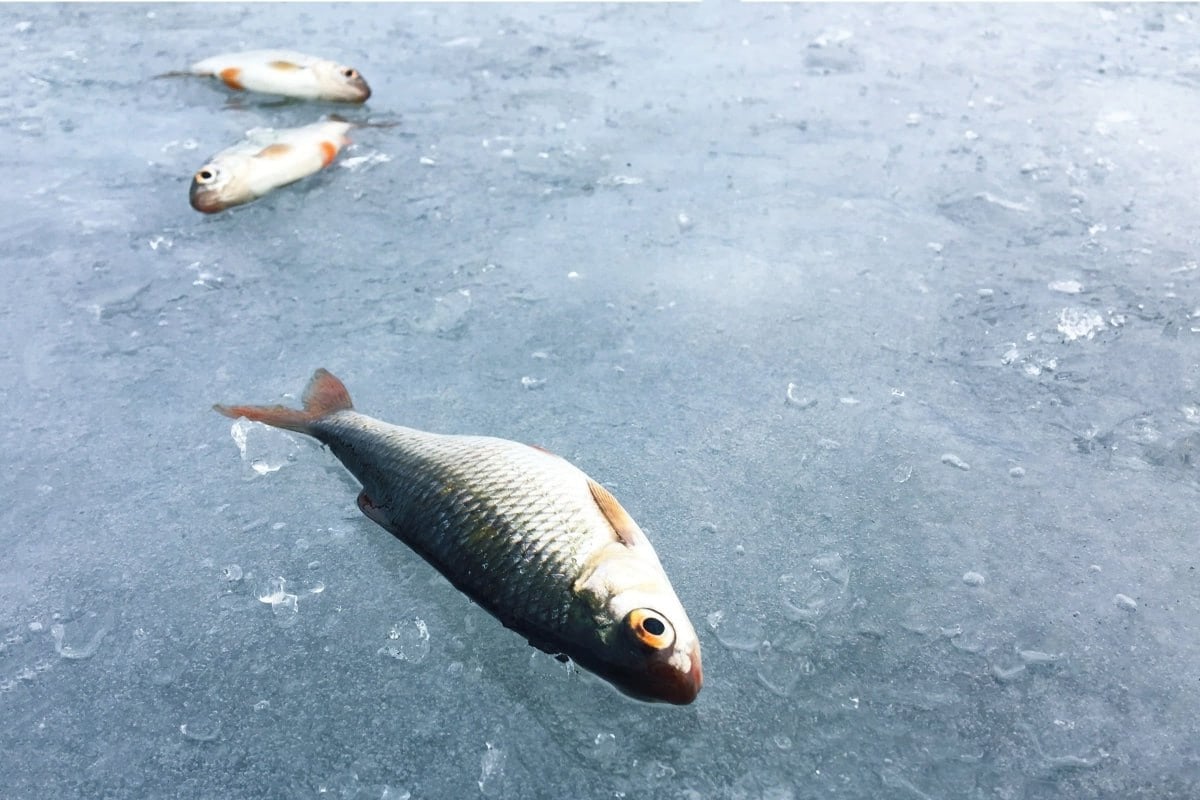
[883, 321]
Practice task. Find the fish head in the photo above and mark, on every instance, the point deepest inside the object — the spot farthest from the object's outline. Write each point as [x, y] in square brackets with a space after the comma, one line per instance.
[646, 645]
[215, 187]
[341, 83]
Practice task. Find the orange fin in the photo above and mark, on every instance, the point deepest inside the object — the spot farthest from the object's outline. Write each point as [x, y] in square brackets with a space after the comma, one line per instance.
[232, 77]
[274, 151]
[286, 66]
[329, 152]
[324, 396]
[622, 524]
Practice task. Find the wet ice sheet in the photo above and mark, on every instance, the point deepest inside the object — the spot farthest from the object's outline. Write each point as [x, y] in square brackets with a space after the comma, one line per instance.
[778, 274]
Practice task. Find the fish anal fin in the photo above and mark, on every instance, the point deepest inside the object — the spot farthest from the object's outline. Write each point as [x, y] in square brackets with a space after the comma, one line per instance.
[623, 526]
[232, 77]
[284, 65]
[324, 395]
[274, 151]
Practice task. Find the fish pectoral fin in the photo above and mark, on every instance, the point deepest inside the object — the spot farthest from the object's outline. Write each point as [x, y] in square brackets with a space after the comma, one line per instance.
[377, 514]
[274, 151]
[284, 65]
[623, 526]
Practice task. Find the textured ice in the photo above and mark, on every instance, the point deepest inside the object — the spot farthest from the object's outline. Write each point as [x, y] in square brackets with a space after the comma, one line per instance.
[714, 221]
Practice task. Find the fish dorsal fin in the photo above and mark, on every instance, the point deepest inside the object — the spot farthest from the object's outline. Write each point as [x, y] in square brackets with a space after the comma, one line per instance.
[623, 526]
[284, 65]
[274, 151]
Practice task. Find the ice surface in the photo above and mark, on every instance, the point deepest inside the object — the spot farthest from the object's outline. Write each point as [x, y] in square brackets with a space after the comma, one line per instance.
[717, 224]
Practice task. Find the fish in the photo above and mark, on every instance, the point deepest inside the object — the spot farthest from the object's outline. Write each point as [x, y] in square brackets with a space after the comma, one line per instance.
[286, 73]
[524, 533]
[267, 160]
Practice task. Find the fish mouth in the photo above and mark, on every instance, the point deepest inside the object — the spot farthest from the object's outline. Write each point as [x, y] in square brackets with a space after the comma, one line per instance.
[206, 200]
[359, 91]
[663, 682]
[675, 686]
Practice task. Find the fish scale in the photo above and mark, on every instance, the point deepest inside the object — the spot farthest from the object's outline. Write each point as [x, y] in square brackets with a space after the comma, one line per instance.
[531, 538]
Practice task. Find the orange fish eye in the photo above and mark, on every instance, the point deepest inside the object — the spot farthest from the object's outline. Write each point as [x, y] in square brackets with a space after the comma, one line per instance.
[650, 628]
[206, 175]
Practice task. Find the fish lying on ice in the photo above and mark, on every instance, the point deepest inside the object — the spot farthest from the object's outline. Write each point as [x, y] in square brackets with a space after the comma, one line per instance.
[286, 73]
[267, 160]
[525, 534]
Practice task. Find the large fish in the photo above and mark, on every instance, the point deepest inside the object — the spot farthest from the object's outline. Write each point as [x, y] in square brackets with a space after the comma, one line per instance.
[525, 534]
[286, 73]
[267, 160]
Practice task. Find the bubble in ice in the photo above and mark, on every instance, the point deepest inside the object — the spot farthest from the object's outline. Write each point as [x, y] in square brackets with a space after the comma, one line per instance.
[683, 221]
[1125, 602]
[780, 671]
[604, 746]
[973, 579]
[407, 641]
[81, 638]
[1034, 657]
[264, 448]
[1006, 674]
[448, 316]
[737, 631]
[950, 459]
[1016, 472]
[796, 397]
[202, 729]
[530, 382]
[1066, 287]
[491, 771]
[231, 573]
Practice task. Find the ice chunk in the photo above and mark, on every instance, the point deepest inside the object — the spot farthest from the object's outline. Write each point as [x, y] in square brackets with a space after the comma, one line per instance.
[1079, 323]
[264, 448]
[950, 459]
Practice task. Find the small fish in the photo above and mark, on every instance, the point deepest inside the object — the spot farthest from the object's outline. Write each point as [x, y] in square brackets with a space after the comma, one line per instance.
[525, 534]
[267, 160]
[286, 73]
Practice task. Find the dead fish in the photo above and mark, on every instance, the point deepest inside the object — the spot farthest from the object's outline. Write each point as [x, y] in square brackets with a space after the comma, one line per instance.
[286, 73]
[267, 160]
[525, 534]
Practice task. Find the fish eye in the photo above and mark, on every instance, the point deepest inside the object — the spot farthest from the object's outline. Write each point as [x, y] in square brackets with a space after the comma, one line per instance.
[650, 629]
[206, 175]
[350, 73]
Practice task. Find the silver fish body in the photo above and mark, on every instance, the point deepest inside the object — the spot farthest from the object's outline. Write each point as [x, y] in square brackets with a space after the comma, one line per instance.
[265, 161]
[524, 533]
[286, 73]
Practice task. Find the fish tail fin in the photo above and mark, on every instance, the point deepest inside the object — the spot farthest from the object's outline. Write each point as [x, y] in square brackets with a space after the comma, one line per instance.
[324, 395]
